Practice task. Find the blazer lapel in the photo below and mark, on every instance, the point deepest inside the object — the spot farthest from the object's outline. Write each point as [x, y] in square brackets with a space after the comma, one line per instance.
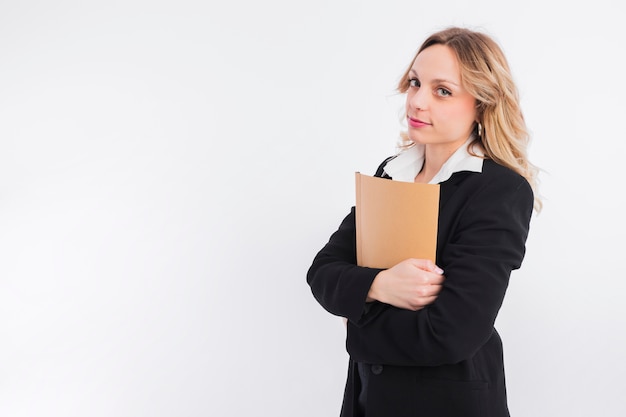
[449, 187]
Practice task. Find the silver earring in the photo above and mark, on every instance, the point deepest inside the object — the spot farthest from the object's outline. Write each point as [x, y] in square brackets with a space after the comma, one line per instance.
[480, 130]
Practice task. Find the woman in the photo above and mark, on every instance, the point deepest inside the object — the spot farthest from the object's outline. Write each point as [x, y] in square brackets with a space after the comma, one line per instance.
[421, 336]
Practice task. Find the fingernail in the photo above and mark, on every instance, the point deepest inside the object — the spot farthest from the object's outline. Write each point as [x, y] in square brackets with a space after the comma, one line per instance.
[438, 270]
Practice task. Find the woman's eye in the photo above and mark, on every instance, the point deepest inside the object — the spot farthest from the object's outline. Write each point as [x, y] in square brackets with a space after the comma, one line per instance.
[443, 92]
[414, 82]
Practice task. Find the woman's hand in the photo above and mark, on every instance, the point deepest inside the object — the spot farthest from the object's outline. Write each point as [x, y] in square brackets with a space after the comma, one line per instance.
[411, 284]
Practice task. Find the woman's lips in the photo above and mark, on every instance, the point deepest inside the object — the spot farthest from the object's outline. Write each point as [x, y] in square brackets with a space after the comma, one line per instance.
[416, 122]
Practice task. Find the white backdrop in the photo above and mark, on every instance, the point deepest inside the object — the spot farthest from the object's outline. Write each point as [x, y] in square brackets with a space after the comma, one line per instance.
[168, 170]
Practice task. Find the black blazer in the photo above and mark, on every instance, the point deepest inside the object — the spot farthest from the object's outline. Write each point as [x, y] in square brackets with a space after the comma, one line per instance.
[446, 359]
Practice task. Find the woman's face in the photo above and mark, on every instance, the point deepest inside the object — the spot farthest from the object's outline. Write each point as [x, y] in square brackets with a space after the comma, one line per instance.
[439, 110]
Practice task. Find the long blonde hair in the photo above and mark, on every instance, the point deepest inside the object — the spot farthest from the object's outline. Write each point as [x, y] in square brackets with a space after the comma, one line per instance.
[485, 74]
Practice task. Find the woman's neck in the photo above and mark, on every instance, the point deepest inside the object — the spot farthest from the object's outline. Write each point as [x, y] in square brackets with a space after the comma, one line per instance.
[434, 158]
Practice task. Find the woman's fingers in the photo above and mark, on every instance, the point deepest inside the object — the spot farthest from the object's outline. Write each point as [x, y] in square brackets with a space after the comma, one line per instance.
[425, 264]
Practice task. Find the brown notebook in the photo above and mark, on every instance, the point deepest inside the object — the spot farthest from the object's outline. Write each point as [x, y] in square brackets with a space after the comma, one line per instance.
[395, 221]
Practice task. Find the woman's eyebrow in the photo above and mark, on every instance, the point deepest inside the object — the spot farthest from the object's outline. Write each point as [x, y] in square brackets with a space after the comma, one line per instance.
[436, 80]
[443, 80]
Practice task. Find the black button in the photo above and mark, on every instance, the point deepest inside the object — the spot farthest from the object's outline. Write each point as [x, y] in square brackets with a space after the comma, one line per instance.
[377, 369]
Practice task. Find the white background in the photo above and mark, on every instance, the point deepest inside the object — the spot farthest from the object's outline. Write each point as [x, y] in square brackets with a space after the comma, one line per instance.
[168, 170]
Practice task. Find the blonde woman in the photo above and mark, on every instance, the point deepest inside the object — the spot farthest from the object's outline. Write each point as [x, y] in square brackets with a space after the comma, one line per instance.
[421, 336]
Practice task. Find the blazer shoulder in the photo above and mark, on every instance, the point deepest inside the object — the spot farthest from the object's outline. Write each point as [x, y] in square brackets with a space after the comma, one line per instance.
[500, 186]
[492, 171]
[495, 182]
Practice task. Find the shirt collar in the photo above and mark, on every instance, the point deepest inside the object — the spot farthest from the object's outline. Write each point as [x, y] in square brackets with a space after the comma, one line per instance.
[408, 163]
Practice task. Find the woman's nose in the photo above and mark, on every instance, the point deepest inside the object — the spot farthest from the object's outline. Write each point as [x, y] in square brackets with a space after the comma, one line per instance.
[418, 99]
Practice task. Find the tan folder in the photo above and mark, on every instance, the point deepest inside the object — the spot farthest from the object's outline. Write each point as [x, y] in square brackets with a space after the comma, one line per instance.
[395, 221]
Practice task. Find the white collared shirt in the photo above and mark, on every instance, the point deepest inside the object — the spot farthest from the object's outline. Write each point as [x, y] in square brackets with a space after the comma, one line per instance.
[408, 163]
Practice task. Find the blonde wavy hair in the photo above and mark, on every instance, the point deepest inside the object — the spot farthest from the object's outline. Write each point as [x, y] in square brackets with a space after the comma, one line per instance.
[486, 75]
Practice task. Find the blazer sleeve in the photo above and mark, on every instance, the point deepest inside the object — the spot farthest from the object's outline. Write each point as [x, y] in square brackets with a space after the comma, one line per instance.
[487, 243]
[336, 281]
